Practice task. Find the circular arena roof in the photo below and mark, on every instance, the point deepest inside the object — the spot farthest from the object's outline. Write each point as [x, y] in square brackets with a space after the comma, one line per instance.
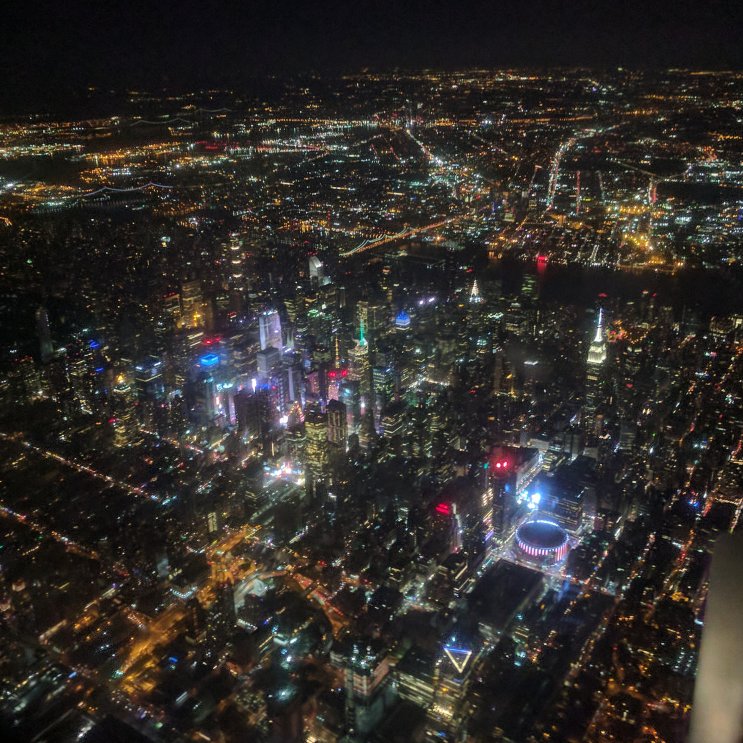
[542, 538]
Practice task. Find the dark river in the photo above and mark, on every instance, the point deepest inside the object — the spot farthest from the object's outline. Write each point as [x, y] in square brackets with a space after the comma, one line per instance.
[705, 292]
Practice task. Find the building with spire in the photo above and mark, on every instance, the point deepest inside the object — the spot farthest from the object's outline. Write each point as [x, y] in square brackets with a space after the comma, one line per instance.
[402, 320]
[594, 371]
[360, 365]
[475, 296]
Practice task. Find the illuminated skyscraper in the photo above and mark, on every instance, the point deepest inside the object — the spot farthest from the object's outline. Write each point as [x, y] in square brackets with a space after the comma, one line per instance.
[372, 318]
[316, 451]
[269, 326]
[236, 261]
[293, 372]
[149, 387]
[267, 361]
[395, 426]
[337, 423]
[475, 296]
[172, 316]
[124, 421]
[594, 371]
[221, 619]
[317, 272]
[402, 320]
[192, 304]
[510, 471]
[360, 367]
[368, 689]
[451, 680]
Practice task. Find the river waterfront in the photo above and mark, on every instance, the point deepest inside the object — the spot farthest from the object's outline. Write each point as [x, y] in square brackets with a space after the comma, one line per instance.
[703, 291]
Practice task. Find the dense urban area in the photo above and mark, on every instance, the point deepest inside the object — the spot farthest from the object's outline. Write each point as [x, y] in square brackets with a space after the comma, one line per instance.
[381, 407]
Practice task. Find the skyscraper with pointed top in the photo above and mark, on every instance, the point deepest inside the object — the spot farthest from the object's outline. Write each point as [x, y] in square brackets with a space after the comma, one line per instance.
[360, 365]
[594, 371]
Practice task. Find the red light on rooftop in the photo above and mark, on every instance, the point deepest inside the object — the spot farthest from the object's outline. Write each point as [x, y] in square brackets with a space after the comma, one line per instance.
[444, 509]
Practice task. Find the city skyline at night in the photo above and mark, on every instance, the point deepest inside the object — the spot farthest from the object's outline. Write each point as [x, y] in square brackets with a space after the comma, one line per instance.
[371, 374]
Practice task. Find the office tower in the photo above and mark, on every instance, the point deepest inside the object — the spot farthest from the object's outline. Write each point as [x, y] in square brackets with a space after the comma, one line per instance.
[316, 450]
[395, 419]
[235, 256]
[207, 402]
[337, 423]
[475, 296]
[362, 319]
[29, 377]
[44, 335]
[81, 378]
[332, 381]
[172, 315]
[567, 506]
[269, 328]
[371, 320]
[192, 304]
[58, 381]
[402, 320]
[123, 404]
[497, 505]
[294, 381]
[367, 429]
[415, 676]
[452, 677]
[196, 620]
[317, 272]
[383, 387]
[498, 372]
[254, 412]
[510, 472]
[267, 360]
[349, 394]
[222, 618]
[594, 372]
[245, 404]
[368, 687]
[717, 711]
[149, 387]
[529, 287]
[360, 369]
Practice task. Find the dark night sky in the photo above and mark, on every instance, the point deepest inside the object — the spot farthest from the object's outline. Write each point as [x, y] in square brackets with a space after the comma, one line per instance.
[48, 48]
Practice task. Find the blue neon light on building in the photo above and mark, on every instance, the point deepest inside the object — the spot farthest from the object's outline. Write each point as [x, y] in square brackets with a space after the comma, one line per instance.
[209, 359]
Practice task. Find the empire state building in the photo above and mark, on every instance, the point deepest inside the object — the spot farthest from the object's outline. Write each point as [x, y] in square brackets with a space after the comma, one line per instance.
[594, 371]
